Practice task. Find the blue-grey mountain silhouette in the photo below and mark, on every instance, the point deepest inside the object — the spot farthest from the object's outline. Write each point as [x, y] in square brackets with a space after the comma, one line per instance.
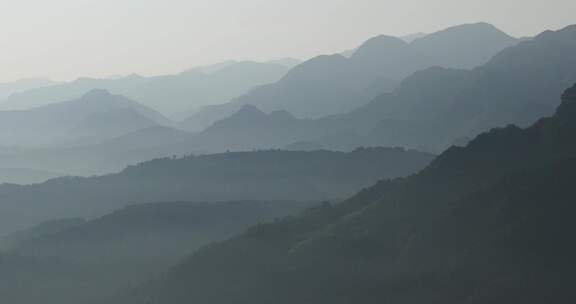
[169, 94]
[335, 84]
[94, 116]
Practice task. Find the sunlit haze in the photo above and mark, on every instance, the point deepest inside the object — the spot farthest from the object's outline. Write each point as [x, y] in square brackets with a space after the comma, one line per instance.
[65, 39]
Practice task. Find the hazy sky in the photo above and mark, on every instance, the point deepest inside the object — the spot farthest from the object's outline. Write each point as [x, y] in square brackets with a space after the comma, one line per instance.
[64, 39]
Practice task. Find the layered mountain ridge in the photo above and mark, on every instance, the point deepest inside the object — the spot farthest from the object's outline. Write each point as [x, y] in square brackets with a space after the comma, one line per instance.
[488, 222]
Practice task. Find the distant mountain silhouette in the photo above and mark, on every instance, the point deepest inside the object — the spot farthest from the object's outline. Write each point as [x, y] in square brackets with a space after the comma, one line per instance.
[444, 48]
[246, 130]
[169, 94]
[485, 223]
[96, 115]
[9, 88]
[96, 156]
[431, 110]
[335, 84]
[437, 107]
[263, 175]
[316, 77]
[249, 128]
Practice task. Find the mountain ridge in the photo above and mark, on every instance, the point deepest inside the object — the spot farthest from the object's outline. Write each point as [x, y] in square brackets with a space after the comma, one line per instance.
[262, 175]
[59, 122]
[168, 94]
[332, 84]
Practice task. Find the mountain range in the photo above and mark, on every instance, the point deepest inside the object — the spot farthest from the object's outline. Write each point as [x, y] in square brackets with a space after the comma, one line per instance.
[95, 116]
[437, 107]
[9, 88]
[332, 84]
[425, 112]
[168, 94]
[300, 182]
[93, 156]
[258, 175]
[486, 223]
[430, 110]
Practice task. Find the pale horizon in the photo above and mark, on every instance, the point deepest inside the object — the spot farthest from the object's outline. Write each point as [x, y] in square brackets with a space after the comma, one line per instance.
[67, 39]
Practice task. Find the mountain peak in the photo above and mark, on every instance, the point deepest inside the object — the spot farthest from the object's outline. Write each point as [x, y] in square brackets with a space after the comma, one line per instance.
[479, 26]
[476, 31]
[247, 114]
[482, 24]
[102, 98]
[566, 32]
[379, 44]
[384, 39]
